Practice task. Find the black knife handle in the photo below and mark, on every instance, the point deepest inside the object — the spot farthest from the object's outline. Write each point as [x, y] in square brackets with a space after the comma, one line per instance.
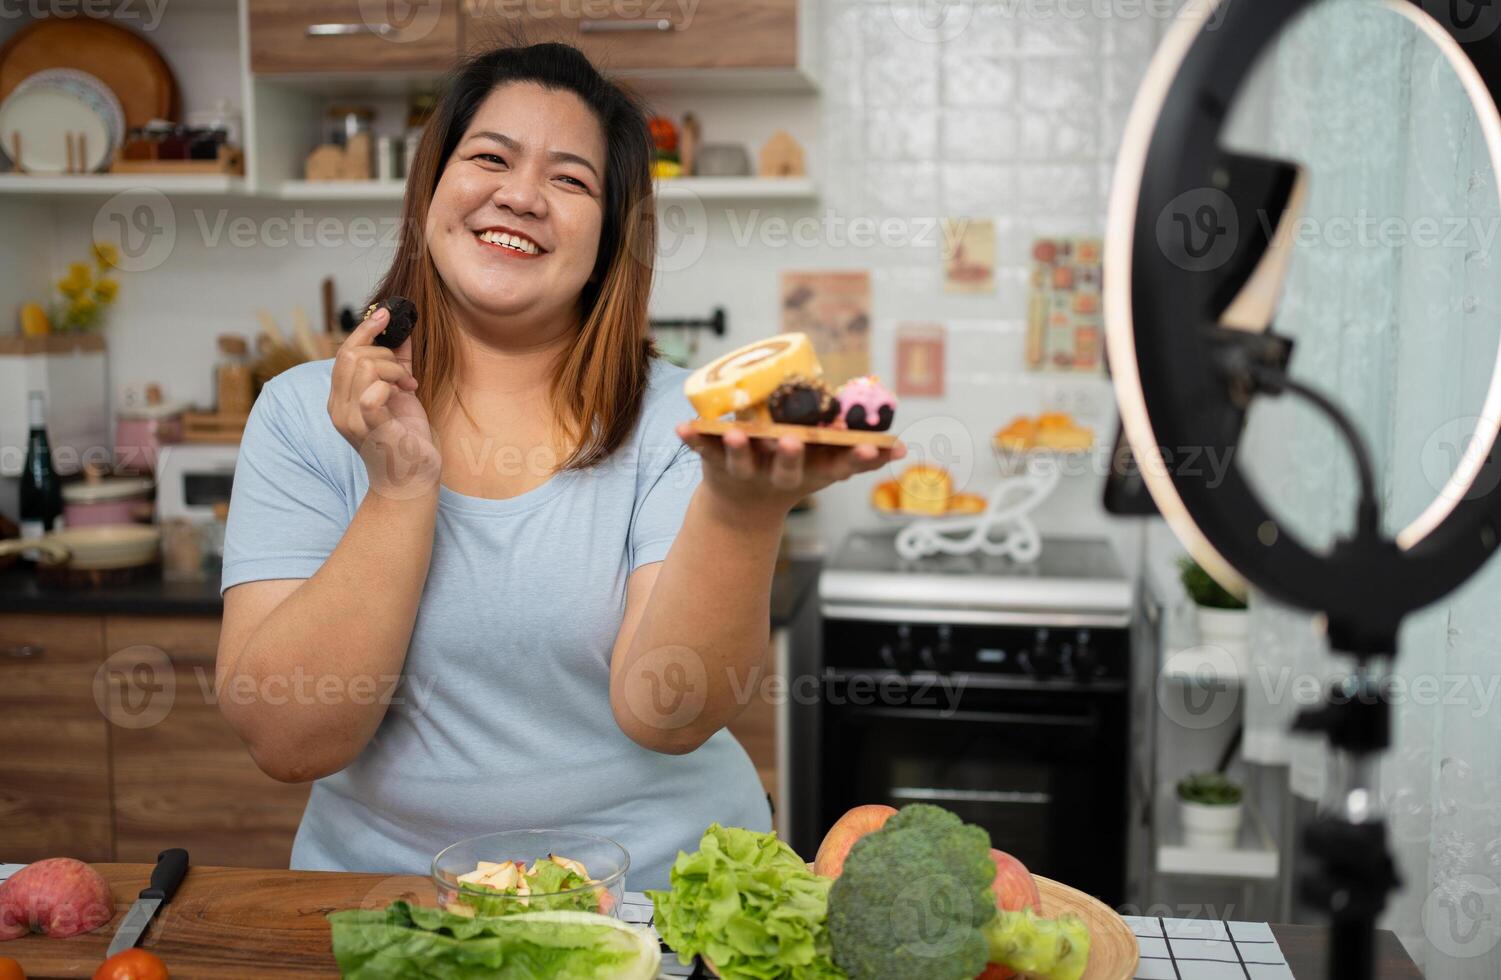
[171, 868]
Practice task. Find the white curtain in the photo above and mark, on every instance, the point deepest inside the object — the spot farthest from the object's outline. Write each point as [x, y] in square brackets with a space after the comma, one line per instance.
[1395, 301]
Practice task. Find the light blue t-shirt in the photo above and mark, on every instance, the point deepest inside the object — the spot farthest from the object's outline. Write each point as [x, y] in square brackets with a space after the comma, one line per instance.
[502, 720]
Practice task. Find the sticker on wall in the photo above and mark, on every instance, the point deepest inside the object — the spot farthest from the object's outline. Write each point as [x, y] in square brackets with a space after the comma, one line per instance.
[919, 360]
[833, 309]
[968, 255]
[1065, 326]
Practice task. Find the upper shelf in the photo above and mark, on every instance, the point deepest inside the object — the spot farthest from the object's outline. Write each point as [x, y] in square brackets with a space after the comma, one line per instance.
[679, 189]
[104, 184]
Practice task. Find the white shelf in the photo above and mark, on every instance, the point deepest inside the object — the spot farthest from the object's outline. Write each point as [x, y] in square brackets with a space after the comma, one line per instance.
[97, 184]
[673, 189]
[1201, 664]
[737, 189]
[1254, 856]
[340, 190]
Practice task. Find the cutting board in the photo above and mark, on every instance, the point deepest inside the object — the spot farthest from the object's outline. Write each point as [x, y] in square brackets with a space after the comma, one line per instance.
[244, 923]
[126, 62]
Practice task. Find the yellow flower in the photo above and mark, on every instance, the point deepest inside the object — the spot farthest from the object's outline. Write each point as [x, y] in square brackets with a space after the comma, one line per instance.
[82, 307]
[106, 254]
[106, 289]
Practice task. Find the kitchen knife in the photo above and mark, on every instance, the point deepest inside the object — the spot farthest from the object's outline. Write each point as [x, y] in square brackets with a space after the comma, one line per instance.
[171, 868]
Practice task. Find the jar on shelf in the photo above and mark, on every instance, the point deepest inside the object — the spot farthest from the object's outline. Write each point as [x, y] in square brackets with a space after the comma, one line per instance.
[233, 384]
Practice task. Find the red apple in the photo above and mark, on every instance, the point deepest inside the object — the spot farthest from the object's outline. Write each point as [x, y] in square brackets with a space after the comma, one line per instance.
[862, 820]
[59, 897]
[1015, 889]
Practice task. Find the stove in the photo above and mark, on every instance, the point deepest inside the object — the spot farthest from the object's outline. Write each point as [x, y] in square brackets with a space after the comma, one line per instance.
[1075, 582]
[997, 690]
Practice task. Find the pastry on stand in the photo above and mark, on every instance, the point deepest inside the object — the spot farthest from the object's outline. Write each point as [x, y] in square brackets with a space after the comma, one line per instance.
[775, 387]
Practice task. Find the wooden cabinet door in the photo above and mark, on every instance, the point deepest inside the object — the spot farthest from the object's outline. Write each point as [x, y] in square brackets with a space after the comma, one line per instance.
[291, 36]
[54, 741]
[182, 778]
[647, 34]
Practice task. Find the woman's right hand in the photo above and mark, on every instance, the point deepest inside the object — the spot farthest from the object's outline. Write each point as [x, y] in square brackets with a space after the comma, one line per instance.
[373, 404]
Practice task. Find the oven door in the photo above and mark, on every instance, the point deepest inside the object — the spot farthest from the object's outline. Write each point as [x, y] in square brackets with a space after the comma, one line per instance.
[1042, 769]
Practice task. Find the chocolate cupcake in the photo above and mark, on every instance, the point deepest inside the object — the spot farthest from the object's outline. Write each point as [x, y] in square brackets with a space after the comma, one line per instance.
[802, 401]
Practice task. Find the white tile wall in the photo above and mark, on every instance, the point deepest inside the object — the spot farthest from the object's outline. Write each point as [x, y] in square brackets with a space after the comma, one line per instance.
[1004, 109]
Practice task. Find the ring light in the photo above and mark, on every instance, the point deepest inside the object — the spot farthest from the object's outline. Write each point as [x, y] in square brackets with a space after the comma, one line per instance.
[1161, 306]
[1191, 342]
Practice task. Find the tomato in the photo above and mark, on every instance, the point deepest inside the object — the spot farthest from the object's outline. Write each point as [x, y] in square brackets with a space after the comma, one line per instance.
[10, 969]
[132, 964]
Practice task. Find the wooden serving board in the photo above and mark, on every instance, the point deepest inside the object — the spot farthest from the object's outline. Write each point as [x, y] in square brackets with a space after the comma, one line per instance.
[249, 924]
[1112, 951]
[807, 433]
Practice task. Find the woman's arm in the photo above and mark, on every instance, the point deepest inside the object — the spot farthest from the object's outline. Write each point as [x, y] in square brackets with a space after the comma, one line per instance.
[305, 667]
[696, 629]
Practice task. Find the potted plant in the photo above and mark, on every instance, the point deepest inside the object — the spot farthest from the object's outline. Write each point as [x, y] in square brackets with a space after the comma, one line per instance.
[1222, 618]
[1210, 809]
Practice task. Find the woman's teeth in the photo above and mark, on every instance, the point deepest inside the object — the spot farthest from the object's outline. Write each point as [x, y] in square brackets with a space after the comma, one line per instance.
[510, 241]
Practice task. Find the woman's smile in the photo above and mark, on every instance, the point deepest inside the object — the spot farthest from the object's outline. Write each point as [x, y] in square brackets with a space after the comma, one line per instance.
[510, 242]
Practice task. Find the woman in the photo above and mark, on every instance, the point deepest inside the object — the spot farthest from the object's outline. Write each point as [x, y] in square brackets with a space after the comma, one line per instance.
[506, 514]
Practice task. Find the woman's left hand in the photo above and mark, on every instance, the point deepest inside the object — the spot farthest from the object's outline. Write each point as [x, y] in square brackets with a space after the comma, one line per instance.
[758, 476]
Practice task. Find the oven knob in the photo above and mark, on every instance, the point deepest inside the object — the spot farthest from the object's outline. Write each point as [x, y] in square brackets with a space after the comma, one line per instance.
[906, 657]
[1085, 663]
[1041, 661]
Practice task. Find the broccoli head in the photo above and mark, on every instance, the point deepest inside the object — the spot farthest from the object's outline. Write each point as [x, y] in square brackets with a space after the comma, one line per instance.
[915, 902]
[913, 899]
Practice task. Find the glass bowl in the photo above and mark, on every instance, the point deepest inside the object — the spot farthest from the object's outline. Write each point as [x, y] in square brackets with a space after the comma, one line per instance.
[604, 860]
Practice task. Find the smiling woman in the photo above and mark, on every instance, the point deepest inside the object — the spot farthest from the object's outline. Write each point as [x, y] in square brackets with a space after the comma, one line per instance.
[507, 510]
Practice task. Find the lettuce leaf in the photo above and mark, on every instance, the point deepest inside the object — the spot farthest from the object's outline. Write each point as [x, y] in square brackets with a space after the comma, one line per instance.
[748, 903]
[410, 942]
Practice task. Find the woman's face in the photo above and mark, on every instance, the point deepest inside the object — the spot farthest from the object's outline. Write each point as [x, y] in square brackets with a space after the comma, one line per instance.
[515, 220]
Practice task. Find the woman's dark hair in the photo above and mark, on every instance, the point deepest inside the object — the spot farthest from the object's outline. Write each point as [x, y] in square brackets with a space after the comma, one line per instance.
[601, 380]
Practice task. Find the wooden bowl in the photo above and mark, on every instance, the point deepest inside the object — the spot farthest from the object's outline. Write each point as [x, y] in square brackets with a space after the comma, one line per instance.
[1112, 945]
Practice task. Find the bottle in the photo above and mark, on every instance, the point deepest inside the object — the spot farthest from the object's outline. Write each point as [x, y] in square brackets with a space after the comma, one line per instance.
[41, 490]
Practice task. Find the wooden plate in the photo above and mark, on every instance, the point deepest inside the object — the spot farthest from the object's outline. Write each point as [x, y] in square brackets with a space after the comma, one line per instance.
[132, 68]
[807, 433]
[1112, 946]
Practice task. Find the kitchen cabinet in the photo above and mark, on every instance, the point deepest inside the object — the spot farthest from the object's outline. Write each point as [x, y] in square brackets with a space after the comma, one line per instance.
[347, 36]
[187, 780]
[54, 743]
[655, 35]
[115, 749]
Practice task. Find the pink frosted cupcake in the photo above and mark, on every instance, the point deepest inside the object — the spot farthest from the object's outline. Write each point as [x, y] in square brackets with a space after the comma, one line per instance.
[866, 405]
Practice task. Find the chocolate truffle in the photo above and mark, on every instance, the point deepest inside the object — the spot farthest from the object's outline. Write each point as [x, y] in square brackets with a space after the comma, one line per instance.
[802, 401]
[400, 326]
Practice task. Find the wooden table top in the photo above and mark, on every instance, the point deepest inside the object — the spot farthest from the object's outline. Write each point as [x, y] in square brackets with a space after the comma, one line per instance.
[255, 924]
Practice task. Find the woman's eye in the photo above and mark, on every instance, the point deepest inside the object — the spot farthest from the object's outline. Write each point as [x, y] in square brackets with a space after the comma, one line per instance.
[490, 158]
[575, 181]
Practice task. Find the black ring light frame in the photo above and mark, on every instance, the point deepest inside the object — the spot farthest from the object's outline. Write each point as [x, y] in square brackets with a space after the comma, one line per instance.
[1190, 342]
[1164, 362]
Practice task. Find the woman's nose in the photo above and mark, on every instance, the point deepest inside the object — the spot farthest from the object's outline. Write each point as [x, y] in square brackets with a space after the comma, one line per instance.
[521, 193]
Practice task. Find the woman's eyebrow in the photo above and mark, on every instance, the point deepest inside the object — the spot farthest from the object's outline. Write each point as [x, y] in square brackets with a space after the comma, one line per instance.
[510, 144]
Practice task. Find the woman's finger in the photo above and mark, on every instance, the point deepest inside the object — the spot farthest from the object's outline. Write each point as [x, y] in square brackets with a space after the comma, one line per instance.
[739, 458]
[787, 464]
[364, 335]
[707, 447]
[373, 404]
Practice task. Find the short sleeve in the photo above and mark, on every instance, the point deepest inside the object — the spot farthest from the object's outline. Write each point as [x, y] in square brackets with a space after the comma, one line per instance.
[285, 514]
[667, 471]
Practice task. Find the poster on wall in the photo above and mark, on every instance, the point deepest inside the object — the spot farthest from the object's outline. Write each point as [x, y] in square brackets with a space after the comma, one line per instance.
[1065, 326]
[833, 309]
[919, 360]
[968, 255]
